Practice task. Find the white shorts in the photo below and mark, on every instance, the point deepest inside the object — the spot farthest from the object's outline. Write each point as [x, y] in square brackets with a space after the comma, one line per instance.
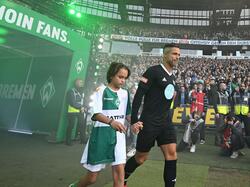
[120, 154]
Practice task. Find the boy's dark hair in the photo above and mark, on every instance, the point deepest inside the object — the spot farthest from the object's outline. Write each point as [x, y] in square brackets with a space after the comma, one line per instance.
[114, 68]
[170, 46]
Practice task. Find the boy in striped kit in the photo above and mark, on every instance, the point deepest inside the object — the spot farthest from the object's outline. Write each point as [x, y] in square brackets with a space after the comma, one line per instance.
[107, 140]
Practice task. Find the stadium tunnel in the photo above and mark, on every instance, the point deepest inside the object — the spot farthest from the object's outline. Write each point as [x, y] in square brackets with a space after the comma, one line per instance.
[37, 67]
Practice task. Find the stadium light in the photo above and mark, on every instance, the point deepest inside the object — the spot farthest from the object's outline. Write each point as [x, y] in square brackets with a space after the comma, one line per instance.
[78, 14]
[101, 40]
[100, 46]
[72, 11]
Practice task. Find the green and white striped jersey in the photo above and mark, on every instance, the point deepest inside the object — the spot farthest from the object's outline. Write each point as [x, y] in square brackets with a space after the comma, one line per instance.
[113, 104]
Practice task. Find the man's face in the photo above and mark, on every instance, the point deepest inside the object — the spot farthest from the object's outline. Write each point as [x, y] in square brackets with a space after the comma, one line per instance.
[171, 56]
[212, 81]
[79, 83]
[200, 87]
[223, 86]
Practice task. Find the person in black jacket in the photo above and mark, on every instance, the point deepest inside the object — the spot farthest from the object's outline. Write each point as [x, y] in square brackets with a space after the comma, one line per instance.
[181, 98]
[76, 111]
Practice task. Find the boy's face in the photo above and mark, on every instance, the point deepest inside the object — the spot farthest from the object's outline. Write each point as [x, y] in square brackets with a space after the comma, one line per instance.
[119, 79]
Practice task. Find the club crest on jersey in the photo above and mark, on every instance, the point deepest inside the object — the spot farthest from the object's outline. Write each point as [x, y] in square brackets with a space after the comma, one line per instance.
[117, 102]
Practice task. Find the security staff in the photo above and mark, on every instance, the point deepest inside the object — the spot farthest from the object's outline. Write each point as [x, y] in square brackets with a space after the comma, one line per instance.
[75, 111]
[241, 100]
[222, 108]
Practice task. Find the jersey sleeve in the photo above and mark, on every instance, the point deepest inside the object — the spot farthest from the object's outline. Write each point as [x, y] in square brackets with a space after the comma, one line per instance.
[145, 83]
[146, 80]
[97, 102]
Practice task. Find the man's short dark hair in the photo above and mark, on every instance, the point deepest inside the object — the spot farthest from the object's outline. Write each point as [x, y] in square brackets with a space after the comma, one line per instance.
[114, 68]
[170, 46]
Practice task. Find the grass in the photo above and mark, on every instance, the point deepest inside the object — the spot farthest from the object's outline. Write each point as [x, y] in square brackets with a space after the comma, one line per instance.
[150, 174]
[204, 168]
[188, 175]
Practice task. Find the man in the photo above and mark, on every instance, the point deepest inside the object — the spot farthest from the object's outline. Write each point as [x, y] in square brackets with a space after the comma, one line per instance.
[75, 111]
[157, 86]
[212, 91]
[222, 108]
[241, 100]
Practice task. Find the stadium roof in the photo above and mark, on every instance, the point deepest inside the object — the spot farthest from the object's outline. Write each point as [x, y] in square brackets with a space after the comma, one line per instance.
[189, 4]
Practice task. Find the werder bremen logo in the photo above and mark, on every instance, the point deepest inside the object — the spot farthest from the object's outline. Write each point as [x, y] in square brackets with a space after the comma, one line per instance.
[47, 91]
[79, 66]
[117, 102]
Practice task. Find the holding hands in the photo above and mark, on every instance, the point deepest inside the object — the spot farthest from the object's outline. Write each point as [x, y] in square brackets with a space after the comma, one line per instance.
[136, 127]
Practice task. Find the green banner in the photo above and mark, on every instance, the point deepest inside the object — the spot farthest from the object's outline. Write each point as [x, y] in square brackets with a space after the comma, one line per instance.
[25, 20]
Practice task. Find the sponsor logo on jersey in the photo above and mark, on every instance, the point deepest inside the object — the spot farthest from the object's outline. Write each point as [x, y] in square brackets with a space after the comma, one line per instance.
[164, 79]
[116, 117]
[108, 98]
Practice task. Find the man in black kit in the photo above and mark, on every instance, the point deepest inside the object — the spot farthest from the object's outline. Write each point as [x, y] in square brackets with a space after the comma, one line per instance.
[157, 86]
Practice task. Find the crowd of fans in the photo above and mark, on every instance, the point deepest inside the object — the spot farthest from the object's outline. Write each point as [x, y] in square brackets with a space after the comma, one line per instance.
[194, 76]
[168, 31]
[188, 72]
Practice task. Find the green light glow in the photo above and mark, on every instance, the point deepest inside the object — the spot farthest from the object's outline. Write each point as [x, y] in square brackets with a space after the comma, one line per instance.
[2, 40]
[72, 11]
[78, 14]
[3, 31]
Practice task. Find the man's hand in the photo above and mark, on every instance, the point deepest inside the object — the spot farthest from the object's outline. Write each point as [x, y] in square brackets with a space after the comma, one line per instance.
[227, 145]
[192, 120]
[136, 127]
[118, 126]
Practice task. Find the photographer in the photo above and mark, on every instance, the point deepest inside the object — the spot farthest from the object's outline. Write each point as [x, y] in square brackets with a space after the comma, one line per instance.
[233, 140]
[192, 131]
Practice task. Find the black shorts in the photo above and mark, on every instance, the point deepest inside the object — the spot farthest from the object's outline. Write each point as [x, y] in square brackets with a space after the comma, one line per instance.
[165, 134]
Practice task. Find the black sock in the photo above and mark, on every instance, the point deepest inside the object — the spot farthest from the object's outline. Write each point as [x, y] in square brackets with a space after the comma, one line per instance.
[170, 173]
[130, 167]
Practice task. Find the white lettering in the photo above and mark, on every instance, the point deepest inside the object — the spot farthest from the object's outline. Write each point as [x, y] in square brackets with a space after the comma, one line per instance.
[10, 16]
[27, 22]
[19, 19]
[63, 37]
[18, 92]
[40, 26]
[2, 10]
[56, 33]
[14, 91]
[47, 30]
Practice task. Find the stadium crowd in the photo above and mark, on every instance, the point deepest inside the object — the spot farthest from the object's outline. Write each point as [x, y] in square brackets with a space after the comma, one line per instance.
[163, 31]
[233, 72]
